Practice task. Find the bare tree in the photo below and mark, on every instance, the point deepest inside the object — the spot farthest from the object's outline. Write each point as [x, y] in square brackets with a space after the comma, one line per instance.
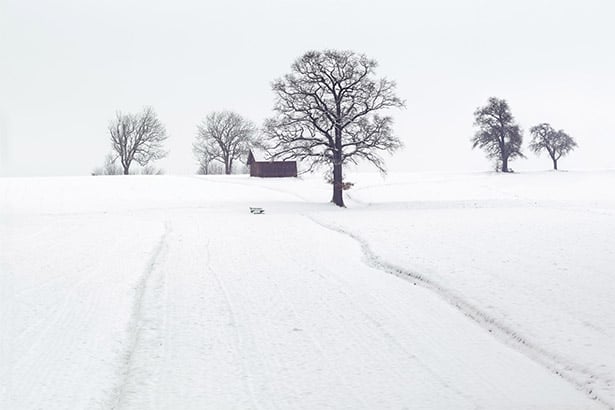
[109, 167]
[203, 168]
[199, 149]
[138, 138]
[327, 114]
[224, 137]
[498, 134]
[150, 170]
[556, 143]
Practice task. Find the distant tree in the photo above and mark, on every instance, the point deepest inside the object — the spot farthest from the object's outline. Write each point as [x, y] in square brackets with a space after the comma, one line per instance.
[203, 168]
[327, 114]
[210, 168]
[224, 137]
[109, 167]
[138, 138]
[498, 134]
[556, 143]
[151, 170]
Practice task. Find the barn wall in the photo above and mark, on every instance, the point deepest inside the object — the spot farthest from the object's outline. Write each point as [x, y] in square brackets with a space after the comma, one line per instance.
[274, 169]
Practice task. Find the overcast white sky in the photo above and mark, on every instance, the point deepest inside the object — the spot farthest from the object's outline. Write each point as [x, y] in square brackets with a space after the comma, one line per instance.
[66, 66]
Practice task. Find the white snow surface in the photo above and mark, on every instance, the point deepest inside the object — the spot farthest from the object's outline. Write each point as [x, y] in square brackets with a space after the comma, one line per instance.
[430, 291]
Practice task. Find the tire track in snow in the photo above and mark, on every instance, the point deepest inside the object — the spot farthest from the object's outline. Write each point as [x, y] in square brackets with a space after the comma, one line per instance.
[580, 377]
[237, 340]
[343, 287]
[136, 323]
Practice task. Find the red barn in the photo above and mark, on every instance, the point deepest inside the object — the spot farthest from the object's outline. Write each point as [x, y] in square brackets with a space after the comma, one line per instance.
[260, 167]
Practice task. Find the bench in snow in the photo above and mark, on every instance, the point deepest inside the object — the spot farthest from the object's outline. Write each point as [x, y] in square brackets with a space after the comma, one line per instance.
[257, 210]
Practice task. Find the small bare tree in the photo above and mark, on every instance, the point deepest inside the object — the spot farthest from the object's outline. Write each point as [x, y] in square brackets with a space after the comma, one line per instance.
[556, 143]
[327, 114]
[203, 168]
[224, 137]
[138, 138]
[498, 133]
[109, 167]
[150, 170]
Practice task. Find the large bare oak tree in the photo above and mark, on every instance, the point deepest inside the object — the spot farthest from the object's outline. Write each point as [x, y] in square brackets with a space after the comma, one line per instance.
[556, 143]
[327, 113]
[138, 138]
[498, 134]
[224, 137]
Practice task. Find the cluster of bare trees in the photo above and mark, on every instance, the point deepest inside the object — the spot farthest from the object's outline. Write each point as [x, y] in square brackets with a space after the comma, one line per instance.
[329, 111]
[501, 137]
[223, 138]
[327, 114]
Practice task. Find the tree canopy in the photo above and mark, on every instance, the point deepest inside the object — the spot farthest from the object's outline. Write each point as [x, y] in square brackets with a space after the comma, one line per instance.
[138, 138]
[224, 137]
[327, 112]
[556, 143]
[498, 134]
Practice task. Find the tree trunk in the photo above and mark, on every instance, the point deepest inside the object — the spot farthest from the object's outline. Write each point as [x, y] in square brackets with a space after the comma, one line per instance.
[227, 167]
[554, 164]
[338, 198]
[126, 169]
[338, 175]
[505, 164]
[338, 181]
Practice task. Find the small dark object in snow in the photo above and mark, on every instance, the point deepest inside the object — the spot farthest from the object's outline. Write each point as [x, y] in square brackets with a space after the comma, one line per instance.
[257, 211]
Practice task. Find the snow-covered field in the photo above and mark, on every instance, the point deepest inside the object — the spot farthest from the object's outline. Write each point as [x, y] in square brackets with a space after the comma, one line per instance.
[430, 291]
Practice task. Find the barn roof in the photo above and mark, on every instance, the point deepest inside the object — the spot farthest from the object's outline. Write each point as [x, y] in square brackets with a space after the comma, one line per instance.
[259, 155]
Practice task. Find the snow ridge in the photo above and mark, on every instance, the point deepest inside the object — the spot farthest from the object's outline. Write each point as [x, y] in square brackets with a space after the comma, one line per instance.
[577, 375]
[138, 326]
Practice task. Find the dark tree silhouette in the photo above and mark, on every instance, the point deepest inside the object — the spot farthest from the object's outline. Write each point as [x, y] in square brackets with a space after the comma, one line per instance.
[556, 143]
[498, 134]
[327, 114]
[223, 137]
[137, 137]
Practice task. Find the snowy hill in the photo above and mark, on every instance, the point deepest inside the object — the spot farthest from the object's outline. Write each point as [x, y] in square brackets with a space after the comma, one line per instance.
[430, 291]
